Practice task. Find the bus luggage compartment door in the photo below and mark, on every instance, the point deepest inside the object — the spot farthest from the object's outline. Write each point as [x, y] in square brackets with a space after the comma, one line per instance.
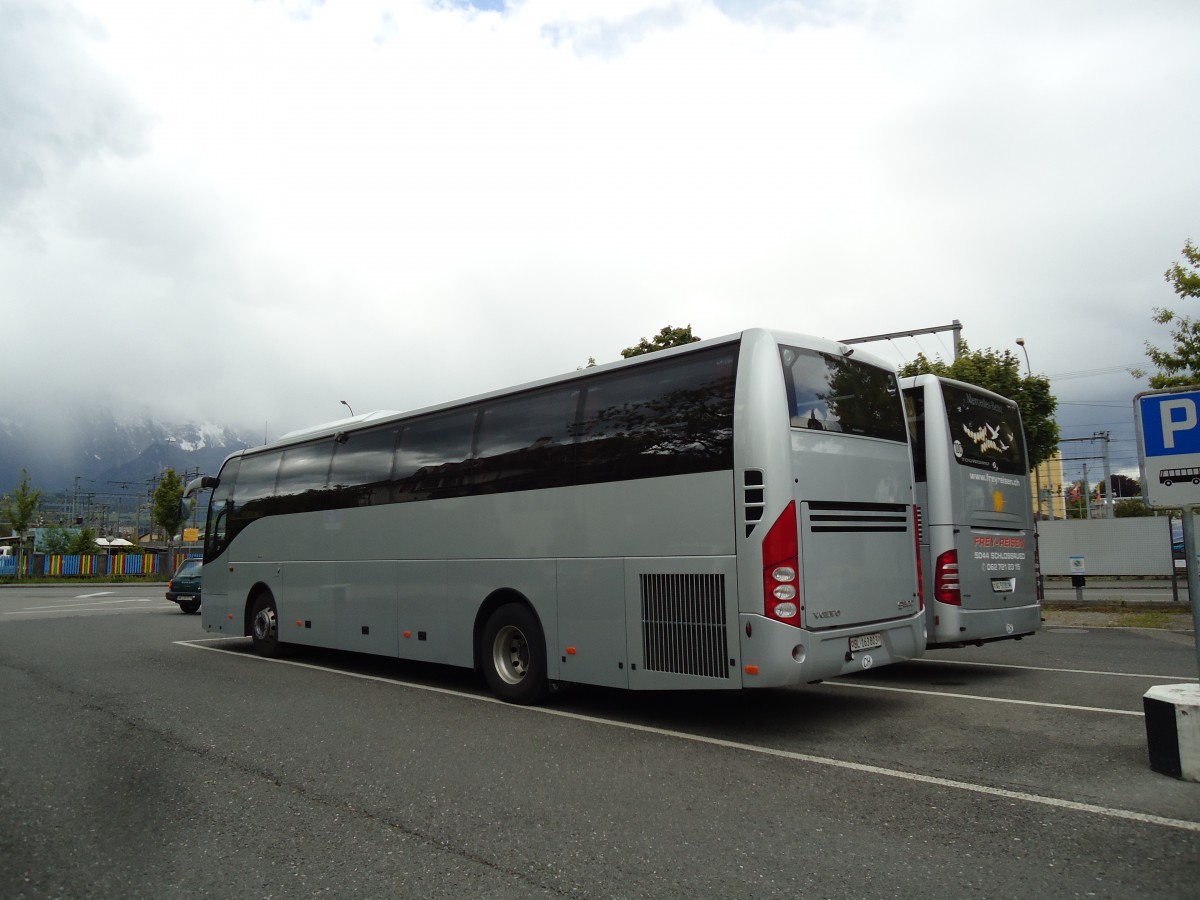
[858, 562]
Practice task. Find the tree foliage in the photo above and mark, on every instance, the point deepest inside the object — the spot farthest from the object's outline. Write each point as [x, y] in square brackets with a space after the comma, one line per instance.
[1131, 509]
[1122, 486]
[1179, 365]
[668, 337]
[1001, 372]
[167, 513]
[19, 509]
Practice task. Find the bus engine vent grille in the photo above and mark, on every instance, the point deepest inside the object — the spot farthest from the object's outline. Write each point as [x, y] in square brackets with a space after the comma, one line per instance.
[683, 625]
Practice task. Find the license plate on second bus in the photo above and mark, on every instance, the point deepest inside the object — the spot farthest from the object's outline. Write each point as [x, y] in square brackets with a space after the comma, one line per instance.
[866, 642]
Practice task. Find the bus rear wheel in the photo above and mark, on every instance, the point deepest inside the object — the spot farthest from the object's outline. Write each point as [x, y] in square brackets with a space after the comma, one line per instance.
[513, 654]
[264, 626]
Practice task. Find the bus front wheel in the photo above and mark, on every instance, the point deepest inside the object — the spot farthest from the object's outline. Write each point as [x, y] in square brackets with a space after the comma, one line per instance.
[513, 654]
[264, 626]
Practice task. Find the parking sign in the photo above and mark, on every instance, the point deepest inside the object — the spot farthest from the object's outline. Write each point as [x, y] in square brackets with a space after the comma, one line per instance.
[1168, 430]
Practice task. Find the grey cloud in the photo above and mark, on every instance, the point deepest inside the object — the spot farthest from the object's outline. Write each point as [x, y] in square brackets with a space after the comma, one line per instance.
[57, 107]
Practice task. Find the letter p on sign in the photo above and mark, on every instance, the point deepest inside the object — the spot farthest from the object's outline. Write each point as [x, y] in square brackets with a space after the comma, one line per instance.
[1171, 423]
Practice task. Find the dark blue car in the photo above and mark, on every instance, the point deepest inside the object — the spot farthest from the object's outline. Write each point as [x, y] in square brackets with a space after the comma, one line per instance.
[184, 586]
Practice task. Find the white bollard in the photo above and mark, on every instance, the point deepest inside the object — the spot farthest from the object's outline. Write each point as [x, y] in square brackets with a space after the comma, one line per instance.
[1173, 729]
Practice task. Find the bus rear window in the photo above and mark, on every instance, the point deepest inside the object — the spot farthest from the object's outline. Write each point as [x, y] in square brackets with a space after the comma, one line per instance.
[985, 433]
[841, 394]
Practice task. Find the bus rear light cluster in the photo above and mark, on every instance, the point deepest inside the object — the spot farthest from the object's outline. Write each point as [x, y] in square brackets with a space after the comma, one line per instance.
[781, 569]
[946, 586]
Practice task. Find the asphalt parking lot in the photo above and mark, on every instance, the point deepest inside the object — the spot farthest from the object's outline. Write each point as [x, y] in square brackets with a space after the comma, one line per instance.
[140, 757]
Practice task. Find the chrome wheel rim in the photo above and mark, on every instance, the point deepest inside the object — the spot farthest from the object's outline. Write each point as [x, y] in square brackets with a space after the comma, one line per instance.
[510, 654]
[264, 624]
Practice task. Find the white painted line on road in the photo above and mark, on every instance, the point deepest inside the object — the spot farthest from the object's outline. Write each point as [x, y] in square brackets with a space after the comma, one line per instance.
[964, 662]
[1055, 802]
[880, 687]
[89, 596]
[96, 604]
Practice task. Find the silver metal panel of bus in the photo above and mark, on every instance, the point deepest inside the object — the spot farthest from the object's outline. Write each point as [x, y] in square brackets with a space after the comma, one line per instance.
[855, 584]
[988, 518]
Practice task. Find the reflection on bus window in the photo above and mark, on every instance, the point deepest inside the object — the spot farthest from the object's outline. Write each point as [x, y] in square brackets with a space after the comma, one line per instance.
[839, 394]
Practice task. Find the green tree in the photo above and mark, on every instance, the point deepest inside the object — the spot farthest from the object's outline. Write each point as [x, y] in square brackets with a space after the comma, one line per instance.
[1131, 509]
[668, 337]
[1179, 365]
[56, 540]
[1001, 372]
[83, 542]
[167, 513]
[19, 509]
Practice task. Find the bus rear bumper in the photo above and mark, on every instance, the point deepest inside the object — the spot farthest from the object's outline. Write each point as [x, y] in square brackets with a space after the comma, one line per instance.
[778, 655]
[953, 626]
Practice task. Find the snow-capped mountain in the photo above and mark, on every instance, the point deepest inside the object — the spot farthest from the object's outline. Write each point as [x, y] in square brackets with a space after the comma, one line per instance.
[96, 447]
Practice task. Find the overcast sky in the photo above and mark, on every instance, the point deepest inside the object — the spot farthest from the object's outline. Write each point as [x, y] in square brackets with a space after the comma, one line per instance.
[246, 212]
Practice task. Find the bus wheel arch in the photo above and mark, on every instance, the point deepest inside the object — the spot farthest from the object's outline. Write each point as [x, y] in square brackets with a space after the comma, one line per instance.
[510, 648]
[262, 621]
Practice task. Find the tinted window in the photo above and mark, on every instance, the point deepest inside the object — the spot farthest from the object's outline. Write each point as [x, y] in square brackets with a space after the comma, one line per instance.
[216, 530]
[526, 442]
[433, 456]
[303, 476]
[362, 467]
[914, 408]
[669, 418]
[253, 490]
[985, 433]
[840, 394]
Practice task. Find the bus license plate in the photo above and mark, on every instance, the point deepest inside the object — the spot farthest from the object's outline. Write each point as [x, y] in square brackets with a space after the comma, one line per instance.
[866, 642]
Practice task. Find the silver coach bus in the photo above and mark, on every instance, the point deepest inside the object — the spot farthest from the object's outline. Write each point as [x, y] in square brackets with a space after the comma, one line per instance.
[735, 513]
[978, 541]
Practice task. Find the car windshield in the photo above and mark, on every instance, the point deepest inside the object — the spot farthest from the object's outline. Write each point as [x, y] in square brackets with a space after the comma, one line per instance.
[190, 567]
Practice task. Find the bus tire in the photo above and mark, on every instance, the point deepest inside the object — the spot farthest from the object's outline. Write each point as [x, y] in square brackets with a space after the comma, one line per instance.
[264, 626]
[513, 655]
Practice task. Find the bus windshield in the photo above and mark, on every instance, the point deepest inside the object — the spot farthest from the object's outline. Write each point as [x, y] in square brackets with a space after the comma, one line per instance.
[840, 394]
[986, 433]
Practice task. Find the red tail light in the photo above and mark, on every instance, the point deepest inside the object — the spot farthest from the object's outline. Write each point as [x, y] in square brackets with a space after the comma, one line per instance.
[945, 579]
[920, 568]
[781, 570]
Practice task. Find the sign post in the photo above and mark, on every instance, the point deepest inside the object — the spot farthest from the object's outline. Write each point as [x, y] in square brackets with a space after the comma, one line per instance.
[1168, 432]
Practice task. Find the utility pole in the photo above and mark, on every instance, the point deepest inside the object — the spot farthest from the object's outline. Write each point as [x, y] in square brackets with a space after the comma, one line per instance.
[1108, 485]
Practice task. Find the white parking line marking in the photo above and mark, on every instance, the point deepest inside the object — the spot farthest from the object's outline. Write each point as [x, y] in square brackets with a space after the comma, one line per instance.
[964, 662]
[89, 596]
[1106, 811]
[880, 687]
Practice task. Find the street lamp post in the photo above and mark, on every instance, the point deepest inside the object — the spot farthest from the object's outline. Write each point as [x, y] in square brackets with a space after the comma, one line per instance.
[347, 405]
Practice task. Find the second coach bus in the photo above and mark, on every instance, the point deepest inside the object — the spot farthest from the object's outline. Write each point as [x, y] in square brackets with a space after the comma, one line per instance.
[735, 513]
[977, 531]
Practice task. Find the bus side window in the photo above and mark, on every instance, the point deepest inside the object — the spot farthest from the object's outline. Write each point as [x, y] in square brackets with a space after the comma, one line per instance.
[672, 418]
[526, 443]
[914, 407]
[362, 468]
[433, 456]
[216, 533]
[253, 491]
[303, 478]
